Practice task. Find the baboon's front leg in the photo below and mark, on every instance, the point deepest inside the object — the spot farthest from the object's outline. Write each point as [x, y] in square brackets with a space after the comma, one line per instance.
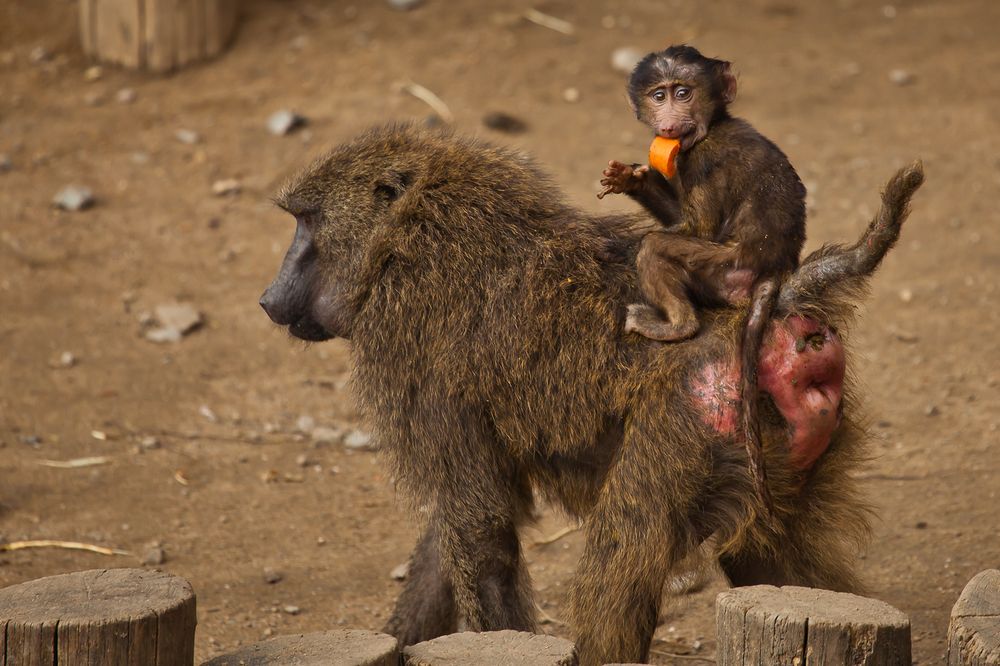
[426, 607]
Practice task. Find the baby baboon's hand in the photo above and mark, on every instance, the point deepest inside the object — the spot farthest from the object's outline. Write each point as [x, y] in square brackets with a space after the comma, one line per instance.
[622, 178]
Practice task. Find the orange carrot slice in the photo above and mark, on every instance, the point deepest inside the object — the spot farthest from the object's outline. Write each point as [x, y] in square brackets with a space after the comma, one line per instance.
[663, 155]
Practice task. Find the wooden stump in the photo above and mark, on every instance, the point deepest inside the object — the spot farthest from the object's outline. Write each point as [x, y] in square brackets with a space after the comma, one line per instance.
[104, 616]
[974, 631]
[492, 648]
[158, 35]
[803, 626]
[351, 647]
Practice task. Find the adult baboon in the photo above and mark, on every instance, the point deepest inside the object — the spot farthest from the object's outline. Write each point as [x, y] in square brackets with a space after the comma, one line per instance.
[486, 317]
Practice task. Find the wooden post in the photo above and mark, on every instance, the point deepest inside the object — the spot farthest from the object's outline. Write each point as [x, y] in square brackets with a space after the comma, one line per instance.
[104, 616]
[492, 647]
[974, 631]
[351, 647]
[803, 626]
[158, 35]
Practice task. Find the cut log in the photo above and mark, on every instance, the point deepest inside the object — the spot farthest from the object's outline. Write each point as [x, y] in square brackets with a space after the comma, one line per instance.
[350, 647]
[104, 616]
[492, 647]
[803, 626]
[974, 631]
[158, 35]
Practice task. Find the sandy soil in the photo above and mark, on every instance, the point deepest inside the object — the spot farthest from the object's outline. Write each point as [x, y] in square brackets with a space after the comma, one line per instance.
[243, 491]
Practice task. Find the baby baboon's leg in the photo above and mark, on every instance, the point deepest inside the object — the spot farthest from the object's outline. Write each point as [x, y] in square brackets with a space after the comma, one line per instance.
[426, 607]
[663, 282]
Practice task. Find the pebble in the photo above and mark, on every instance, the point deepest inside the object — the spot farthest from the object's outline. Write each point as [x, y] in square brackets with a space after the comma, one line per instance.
[404, 5]
[272, 576]
[571, 95]
[39, 54]
[67, 359]
[74, 197]
[187, 136]
[931, 410]
[358, 440]
[324, 435]
[305, 423]
[176, 320]
[906, 295]
[302, 460]
[901, 77]
[400, 572]
[889, 11]
[140, 157]
[6, 164]
[149, 443]
[208, 414]
[125, 96]
[154, 555]
[93, 73]
[93, 99]
[30, 440]
[292, 610]
[227, 186]
[284, 122]
[921, 525]
[625, 58]
[504, 122]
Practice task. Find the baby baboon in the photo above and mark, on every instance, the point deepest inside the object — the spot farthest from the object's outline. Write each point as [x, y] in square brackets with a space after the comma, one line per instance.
[735, 212]
[485, 317]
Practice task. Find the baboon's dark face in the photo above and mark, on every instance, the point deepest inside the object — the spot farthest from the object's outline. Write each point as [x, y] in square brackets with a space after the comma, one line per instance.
[342, 209]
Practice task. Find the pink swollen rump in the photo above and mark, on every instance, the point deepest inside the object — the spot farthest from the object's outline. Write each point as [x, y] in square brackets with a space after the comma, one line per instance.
[801, 367]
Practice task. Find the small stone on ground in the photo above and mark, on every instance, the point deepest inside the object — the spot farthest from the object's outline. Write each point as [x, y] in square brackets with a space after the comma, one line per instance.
[74, 198]
[404, 5]
[504, 122]
[625, 58]
[284, 122]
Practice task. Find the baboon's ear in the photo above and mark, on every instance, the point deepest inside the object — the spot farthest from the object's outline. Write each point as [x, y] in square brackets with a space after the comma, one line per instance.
[727, 79]
[392, 185]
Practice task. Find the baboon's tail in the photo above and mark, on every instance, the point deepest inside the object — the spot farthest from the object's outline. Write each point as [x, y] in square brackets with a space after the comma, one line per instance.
[761, 305]
[833, 278]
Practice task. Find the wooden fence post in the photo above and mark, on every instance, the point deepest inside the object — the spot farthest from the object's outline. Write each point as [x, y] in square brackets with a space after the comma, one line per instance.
[974, 630]
[492, 647]
[348, 647]
[104, 616]
[803, 626]
[158, 35]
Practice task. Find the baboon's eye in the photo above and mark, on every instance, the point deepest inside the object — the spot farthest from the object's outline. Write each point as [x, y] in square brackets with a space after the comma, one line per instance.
[659, 95]
[387, 193]
[681, 93]
[392, 186]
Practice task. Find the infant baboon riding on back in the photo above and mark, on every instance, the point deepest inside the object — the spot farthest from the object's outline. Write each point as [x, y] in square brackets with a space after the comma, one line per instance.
[735, 212]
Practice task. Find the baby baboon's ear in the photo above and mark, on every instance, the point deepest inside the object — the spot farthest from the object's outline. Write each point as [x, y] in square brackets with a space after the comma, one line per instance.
[392, 185]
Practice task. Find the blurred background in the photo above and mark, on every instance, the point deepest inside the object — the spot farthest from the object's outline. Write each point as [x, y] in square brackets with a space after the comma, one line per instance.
[148, 405]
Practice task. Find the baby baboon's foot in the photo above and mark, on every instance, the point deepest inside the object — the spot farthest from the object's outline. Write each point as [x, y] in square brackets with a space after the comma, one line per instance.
[647, 322]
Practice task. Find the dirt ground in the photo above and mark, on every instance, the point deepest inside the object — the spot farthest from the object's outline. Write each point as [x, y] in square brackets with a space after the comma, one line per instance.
[231, 487]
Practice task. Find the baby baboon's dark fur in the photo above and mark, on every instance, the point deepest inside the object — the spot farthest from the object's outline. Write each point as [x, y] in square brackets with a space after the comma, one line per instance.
[486, 319]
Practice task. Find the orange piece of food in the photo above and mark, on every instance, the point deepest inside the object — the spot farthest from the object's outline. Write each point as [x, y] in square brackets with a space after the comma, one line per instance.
[663, 155]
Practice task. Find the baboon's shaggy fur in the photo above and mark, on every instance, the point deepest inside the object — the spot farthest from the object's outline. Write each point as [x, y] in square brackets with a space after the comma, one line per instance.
[486, 320]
